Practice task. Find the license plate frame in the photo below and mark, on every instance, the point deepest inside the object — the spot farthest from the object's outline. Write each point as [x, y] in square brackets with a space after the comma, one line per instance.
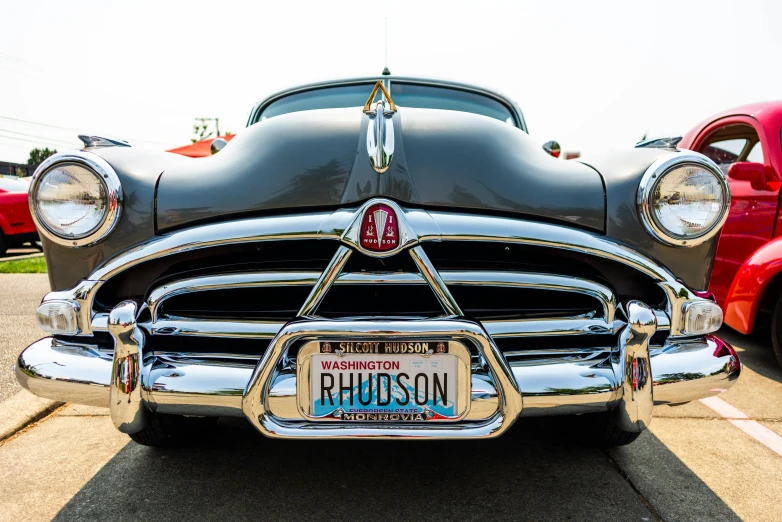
[346, 349]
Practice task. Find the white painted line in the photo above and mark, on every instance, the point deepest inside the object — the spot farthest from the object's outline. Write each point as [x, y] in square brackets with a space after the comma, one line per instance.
[742, 421]
[724, 409]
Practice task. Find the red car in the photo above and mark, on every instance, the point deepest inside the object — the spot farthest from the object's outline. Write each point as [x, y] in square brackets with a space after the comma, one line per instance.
[747, 277]
[16, 224]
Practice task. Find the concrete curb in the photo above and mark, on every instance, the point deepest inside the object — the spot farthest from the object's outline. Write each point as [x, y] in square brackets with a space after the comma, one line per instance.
[21, 410]
[17, 258]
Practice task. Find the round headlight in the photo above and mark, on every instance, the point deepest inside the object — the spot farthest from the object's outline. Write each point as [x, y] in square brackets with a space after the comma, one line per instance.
[683, 199]
[75, 199]
[72, 201]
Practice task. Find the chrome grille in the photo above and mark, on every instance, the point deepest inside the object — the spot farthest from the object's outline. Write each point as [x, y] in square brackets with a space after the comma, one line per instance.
[553, 282]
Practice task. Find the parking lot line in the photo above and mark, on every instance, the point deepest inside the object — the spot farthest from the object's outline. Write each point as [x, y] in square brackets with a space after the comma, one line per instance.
[742, 421]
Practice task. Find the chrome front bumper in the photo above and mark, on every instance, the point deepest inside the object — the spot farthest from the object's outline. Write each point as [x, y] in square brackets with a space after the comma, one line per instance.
[627, 378]
[543, 383]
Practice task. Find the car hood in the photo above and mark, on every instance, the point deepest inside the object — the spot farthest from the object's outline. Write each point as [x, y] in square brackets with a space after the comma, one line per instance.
[442, 159]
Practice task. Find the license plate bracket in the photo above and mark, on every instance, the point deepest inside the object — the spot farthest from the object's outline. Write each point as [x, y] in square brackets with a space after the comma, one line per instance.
[383, 381]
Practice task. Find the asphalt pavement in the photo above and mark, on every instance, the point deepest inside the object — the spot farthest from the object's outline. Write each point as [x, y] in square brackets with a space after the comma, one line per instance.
[694, 464]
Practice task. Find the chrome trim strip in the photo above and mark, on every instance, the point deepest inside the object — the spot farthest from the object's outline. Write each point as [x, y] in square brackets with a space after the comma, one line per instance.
[105, 174]
[290, 227]
[371, 278]
[445, 226]
[429, 272]
[214, 328]
[226, 282]
[325, 281]
[430, 226]
[546, 327]
[268, 329]
[537, 281]
[460, 227]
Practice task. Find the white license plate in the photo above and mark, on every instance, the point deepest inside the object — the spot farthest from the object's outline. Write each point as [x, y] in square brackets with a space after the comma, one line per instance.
[388, 381]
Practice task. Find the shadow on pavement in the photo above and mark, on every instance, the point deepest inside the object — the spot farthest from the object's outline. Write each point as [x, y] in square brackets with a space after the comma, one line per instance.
[530, 473]
[757, 353]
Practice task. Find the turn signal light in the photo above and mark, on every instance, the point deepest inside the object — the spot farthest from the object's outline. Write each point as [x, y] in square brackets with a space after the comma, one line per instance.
[58, 317]
[701, 317]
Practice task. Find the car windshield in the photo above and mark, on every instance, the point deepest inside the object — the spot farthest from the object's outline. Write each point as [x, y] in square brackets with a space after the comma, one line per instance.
[13, 185]
[404, 95]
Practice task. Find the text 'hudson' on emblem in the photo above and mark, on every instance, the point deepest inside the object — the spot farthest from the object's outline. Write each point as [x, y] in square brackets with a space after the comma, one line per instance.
[379, 228]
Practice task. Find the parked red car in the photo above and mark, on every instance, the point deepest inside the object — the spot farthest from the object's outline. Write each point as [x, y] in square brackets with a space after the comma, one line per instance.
[16, 224]
[747, 277]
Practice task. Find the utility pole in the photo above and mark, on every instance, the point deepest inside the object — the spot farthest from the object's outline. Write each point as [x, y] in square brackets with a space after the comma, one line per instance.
[217, 123]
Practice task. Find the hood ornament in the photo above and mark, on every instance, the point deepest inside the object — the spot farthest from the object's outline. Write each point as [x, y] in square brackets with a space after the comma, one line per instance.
[380, 132]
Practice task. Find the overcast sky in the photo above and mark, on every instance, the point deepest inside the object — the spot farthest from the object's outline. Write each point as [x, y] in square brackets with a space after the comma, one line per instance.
[593, 75]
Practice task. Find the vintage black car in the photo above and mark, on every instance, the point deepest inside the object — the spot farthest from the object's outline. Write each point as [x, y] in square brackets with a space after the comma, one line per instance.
[382, 257]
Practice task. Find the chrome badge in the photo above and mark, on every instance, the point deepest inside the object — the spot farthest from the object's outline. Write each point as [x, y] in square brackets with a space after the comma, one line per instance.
[379, 228]
[380, 132]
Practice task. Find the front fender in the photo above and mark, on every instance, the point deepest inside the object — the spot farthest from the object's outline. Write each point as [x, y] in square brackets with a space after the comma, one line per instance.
[5, 227]
[752, 279]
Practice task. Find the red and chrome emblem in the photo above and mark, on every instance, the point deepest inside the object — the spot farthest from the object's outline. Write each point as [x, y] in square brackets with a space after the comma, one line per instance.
[379, 228]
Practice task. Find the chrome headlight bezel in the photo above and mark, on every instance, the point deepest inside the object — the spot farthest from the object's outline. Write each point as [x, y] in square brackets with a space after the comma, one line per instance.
[103, 172]
[652, 177]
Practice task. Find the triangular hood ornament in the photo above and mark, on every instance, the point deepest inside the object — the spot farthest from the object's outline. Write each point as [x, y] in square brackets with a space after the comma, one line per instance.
[380, 132]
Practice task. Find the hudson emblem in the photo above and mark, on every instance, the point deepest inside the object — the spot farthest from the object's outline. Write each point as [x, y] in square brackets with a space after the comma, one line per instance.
[379, 228]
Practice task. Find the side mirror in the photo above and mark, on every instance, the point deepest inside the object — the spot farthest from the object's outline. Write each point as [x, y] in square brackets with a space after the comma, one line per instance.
[750, 171]
[552, 148]
[218, 144]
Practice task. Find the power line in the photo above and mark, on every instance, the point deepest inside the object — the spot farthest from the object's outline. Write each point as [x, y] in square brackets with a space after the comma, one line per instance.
[37, 142]
[18, 120]
[74, 142]
[71, 129]
[15, 59]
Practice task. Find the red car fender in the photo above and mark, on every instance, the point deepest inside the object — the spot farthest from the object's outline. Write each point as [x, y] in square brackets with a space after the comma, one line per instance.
[15, 215]
[752, 279]
[5, 226]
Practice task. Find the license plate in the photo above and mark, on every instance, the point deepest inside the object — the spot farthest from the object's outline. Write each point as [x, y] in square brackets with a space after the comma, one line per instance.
[384, 381]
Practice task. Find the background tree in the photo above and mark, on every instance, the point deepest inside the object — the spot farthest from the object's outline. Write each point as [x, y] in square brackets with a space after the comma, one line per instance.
[200, 132]
[38, 155]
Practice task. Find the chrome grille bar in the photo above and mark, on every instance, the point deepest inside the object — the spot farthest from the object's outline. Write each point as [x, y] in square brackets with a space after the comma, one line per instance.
[547, 327]
[268, 329]
[536, 281]
[462, 278]
[214, 328]
[226, 282]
